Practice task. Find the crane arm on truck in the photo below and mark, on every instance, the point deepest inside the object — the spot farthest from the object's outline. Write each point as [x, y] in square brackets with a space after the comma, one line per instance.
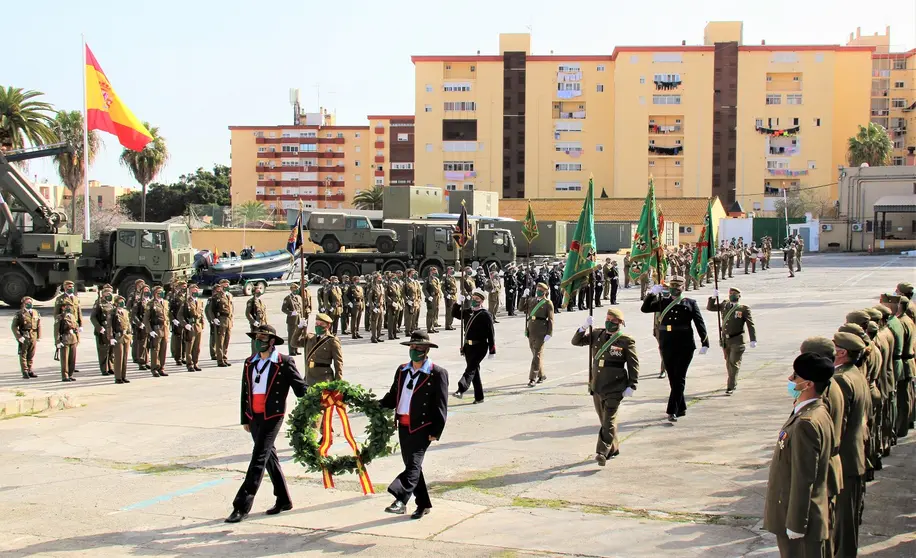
[45, 219]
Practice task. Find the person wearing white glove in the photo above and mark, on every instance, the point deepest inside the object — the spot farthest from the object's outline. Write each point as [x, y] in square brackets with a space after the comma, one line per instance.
[176, 323]
[26, 327]
[676, 317]
[66, 331]
[615, 374]
[480, 340]
[216, 321]
[736, 317]
[539, 315]
[796, 500]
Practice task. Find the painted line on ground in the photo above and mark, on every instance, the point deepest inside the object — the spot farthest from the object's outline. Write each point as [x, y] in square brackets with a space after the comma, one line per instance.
[170, 496]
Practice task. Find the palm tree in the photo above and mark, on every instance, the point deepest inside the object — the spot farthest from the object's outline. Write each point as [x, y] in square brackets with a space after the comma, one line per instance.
[871, 145]
[23, 120]
[144, 165]
[370, 199]
[68, 127]
[249, 212]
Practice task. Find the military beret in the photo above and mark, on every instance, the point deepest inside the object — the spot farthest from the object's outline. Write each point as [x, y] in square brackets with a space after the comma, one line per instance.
[324, 318]
[68, 282]
[872, 328]
[294, 285]
[813, 367]
[848, 341]
[543, 286]
[819, 345]
[617, 313]
[905, 289]
[735, 289]
[852, 328]
[859, 317]
[874, 314]
[884, 310]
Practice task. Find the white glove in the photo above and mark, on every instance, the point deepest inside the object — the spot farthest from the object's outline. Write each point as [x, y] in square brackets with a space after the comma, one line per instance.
[703, 350]
[256, 324]
[753, 344]
[215, 321]
[629, 392]
[350, 304]
[793, 535]
[294, 313]
[112, 342]
[322, 309]
[491, 356]
[303, 323]
[715, 293]
[460, 298]
[101, 330]
[60, 345]
[375, 310]
[589, 321]
[526, 292]
[546, 338]
[429, 299]
[153, 334]
[22, 339]
[175, 322]
[141, 326]
[410, 303]
[81, 330]
[656, 289]
[187, 327]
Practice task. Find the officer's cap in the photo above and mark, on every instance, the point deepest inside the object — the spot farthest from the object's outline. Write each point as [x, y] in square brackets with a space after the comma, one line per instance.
[813, 367]
[543, 286]
[479, 294]
[294, 285]
[857, 330]
[617, 313]
[735, 290]
[819, 345]
[859, 317]
[848, 341]
[322, 317]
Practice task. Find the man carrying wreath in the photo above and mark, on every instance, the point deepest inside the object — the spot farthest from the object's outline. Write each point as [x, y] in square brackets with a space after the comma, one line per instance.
[419, 397]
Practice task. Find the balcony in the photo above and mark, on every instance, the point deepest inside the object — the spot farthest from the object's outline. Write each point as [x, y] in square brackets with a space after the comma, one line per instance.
[879, 93]
[269, 155]
[380, 172]
[673, 151]
[379, 145]
[379, 130]
[880, 112]
[379, 159]
[787, 151]
[303, 197]
[280, 140]
[298, 168]
[575, 115]
[786, 172]
[330, 154]
[331, 140]
[655, 129]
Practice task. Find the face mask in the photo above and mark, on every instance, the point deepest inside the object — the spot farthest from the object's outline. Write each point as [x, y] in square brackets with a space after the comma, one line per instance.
[257, 293]
[319, 330]
[733, 297]
[611, 326]
[195, 294]
[475, 303]
[108, 298]
[28, 305]
[416, 355]
[793, 390]
[261, 346]
[146, 296]
[295, 291]
[541, 294]
[675, 292]
[69, 290]
[121, 305]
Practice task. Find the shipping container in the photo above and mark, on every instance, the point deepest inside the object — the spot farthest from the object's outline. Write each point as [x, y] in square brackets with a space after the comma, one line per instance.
[411, 202]
[550, 242]
[481, 204]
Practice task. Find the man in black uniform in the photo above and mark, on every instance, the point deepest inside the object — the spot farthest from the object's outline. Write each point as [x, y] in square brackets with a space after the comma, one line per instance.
[479, 339]
[613, 279]
[556, 295]
[597, 282]
[511, 287]
[675, 337]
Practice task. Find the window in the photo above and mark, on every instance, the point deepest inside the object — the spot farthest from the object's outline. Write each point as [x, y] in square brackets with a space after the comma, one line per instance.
[793, 99]
[677, 183]
[900, 64]
[128, 237]
[293, 163]
[569, 86]
[429, 148]
[567, 167]
[262, 149]
[357, 136]
[599, 88]
[311, 134]
[812, 165]
[677, 163]
[898, 103]
[379, 153]
[449, 87]
[642, 100]
[570, 68]
[758, 123]
[642, 80]
[358, 178]
[568, 186]
[259, 134]
[458, 166]
[774, 99]
[899, 161]
[677, 142]
[451, 187]
[403, 137]
[379, 180]
[357, 163]
[796, 78]
[260, 177]
[153, 239]
[651, 163]
[651, 142]
[669, 78]
[429, 88]
[428, 108]
[817, 122]
[358, 149]
[795, 121]
[460, 106]
[899, 85]
[468, 186]
[271, 134]
[666, 99]
[600, 67]
[290, 149]
[401, 166]
[898, 144]
[599, 148]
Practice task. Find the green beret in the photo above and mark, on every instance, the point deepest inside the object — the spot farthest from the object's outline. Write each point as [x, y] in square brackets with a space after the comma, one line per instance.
[874, 314]
[859, 317]
[848, 341]
[884, 310]
[324, 318]
[890, 297]
[819, 345]
[872, 329]
[905, 289]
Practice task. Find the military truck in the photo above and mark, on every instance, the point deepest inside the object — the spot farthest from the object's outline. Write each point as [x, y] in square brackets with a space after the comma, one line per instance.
[421, 244]
[332, 231]
[37, 253]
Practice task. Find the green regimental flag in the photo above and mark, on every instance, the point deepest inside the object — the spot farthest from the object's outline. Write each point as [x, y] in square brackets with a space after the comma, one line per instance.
[647, 252]
[530, 228]
[706, 243]
[578, 265]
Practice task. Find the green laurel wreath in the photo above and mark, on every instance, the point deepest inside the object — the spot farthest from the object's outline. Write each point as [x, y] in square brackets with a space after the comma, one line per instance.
[304, 431]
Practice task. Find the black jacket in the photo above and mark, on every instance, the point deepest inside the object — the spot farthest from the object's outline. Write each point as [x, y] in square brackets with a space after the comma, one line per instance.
[479, 327]
[674, 330]
[282, 376]
[429, 404]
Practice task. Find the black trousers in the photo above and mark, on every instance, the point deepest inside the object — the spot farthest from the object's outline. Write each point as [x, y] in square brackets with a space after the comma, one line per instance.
[510, 301]
[473, 356]
[614, 286]
[599, 288]
[556, 297]
[411, 481]
[677, 361]
[263, 456]
[585, 293]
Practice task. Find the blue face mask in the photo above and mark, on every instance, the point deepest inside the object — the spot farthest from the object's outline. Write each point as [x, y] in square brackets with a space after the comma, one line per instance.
[794, 392]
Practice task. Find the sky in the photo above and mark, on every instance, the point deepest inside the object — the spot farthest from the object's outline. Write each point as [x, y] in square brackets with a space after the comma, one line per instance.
[195, 67]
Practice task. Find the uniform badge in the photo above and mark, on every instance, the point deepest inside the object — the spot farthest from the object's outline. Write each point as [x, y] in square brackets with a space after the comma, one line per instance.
[739, 314]
[616, 351]
[783, 436]
[601, 363]
[668, 328]
[311, 364]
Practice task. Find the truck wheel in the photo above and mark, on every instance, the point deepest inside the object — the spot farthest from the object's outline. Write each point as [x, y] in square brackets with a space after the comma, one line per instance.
[248, 288]
[394, 265]
[347, 268]
[14, 285]
[321, 269]
[45, 293]
[425, 271]
[330, 245]
[126, 286]
[384, 244]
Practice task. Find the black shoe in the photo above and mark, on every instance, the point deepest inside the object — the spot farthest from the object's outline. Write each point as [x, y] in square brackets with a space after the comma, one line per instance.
[221, 365]
[196, 368]
[162, 373]
[126, 381]
[601, 459]
[729, 391]
[420, 513]
[236, 516]
[119, 381]
[476, 401]
[397, 507]
[380, 340]
[155, 374]
[25, 376]
[375, 340]
[279, 508]
[449, 329]
[531, 383]
[615, 453]
[542, 379]
[34, 375]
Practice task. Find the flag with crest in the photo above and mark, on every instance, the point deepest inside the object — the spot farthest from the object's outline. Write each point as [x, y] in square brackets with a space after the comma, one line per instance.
[647, 252]
[706, 243]
[578, 263]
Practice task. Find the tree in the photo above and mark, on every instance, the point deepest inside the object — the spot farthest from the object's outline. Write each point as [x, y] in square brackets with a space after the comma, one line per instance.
[370, 199]
[68, 127]
[801, 202]
[165, 201]
[871, 145]
[24, 120]
[249, 212]
[103, 219]
[145, 164]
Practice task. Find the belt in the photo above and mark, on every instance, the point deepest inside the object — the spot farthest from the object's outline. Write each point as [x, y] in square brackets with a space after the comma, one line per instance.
[404, 420]
[618, 365]
[536, 319]
[315, 364]
[669, 328]
[733, 336]
[908, 357]
[473, 341]
[898, 357]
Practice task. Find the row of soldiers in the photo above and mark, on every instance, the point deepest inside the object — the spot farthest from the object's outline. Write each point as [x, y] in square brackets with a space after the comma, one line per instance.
[859, 402]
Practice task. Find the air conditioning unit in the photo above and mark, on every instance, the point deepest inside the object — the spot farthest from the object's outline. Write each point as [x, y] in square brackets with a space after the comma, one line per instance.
[688, 230]
[826, 227]
[857, 227]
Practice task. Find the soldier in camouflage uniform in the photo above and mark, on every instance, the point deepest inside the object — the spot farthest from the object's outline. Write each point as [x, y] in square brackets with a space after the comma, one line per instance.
[100, 316]
[120, 339]
[26, 328]
[156, 324]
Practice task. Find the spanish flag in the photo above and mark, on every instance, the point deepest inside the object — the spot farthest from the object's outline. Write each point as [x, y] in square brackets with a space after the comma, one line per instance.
[106, 112]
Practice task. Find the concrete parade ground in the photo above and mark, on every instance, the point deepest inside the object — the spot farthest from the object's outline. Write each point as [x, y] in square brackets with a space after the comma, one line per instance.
[150, 468]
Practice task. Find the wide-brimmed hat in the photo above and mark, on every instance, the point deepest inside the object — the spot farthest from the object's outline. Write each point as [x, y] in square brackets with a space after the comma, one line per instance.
[421, 338]
[266, 330]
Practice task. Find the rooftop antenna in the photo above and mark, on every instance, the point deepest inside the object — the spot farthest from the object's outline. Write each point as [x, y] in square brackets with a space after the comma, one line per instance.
[294, 102]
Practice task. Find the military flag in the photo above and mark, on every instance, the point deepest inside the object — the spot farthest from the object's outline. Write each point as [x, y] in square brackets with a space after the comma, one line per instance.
[530, 228]
[647, 252]
[578, 264]
[706, 243]
[294, 242]
[462, 233]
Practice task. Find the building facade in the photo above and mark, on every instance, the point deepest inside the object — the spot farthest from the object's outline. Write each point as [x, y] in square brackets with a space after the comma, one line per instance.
[393, 150]
[103, 196]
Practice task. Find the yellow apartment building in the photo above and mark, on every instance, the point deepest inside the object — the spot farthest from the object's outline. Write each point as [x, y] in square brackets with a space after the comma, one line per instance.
[103, 196]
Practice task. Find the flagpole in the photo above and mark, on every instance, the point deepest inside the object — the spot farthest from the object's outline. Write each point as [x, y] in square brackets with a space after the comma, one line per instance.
[709, 240]
[302, 284]
[86, 221]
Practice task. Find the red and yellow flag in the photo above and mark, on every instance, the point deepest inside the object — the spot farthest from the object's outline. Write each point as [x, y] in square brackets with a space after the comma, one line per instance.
[106, 112]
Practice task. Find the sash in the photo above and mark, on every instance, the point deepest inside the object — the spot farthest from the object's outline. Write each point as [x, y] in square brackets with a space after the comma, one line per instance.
[729, 314]
[537, 307]
[315, 348]
[331, 401]
[607, 344]
[669, 307]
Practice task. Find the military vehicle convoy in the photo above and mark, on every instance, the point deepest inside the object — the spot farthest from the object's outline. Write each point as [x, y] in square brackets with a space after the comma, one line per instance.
[38, 253]
[332, 231]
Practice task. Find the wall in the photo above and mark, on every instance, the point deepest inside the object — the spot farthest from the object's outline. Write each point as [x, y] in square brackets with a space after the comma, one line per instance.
[736, 228]
[244, 157]
[226, 240]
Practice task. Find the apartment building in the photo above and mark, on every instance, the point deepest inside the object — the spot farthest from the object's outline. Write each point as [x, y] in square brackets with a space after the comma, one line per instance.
[393, 146]
[102, 195]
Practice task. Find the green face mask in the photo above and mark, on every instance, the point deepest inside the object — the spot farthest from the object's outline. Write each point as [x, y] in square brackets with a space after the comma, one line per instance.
[611, 326]
[121, 305]
[733, 297]
[28, 305]
[320, 330]
[294, 291]
[416, 355]
[541, 294]
[69, 290]
[475, 303]
[261, 346]
[108, 298]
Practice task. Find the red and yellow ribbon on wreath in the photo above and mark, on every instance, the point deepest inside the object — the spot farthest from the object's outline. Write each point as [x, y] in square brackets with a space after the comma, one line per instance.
[331, 401]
